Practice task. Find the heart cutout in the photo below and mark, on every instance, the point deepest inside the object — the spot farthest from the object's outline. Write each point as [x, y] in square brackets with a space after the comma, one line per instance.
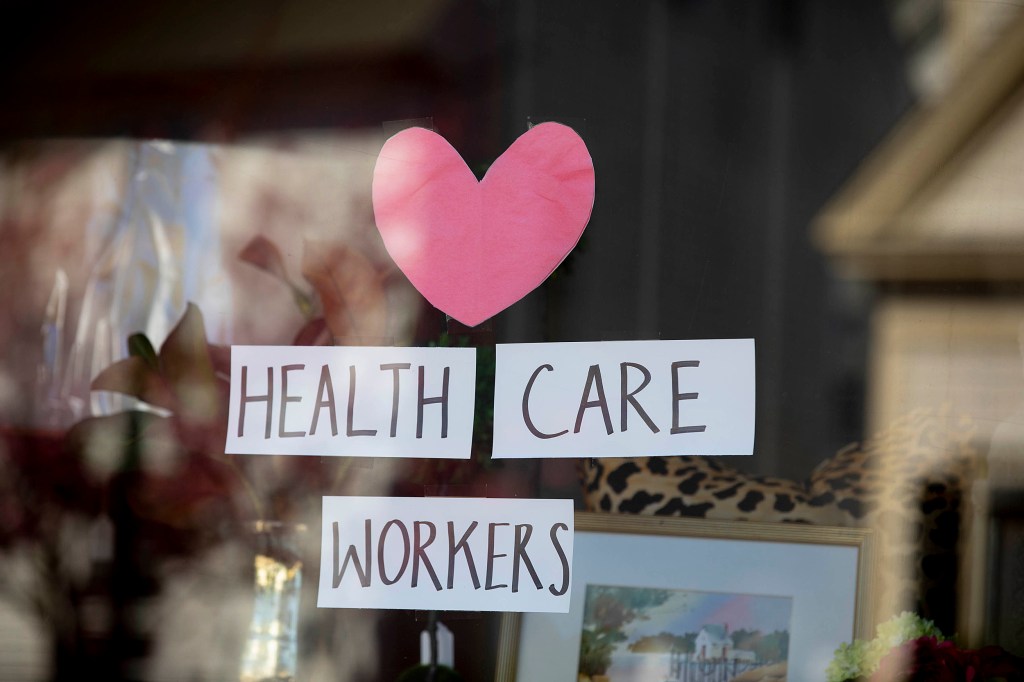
[475, 248]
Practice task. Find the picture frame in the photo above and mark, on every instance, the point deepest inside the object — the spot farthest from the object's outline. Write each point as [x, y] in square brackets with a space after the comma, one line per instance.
[823, 573]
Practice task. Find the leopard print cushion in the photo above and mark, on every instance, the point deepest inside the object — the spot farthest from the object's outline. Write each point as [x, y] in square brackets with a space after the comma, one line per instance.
[907, 483]
[910, 484]
[702, 487]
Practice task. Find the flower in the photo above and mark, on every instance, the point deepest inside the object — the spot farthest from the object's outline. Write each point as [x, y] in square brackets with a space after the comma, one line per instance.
[908, 648]
[903, 628]
[924, 658]
[848, 661]
[861, 658]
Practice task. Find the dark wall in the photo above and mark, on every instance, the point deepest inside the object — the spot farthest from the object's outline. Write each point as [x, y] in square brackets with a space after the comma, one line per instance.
[717, 130]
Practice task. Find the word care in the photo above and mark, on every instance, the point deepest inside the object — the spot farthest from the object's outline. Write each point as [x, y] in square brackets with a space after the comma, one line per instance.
[624, 398]
[353, 401]
[464, 554]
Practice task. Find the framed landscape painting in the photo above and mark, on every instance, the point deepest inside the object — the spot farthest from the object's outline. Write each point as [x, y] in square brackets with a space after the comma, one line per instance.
[681, 600]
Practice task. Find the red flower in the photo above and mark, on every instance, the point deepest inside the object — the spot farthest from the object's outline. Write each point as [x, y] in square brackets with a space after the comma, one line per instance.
[926, 659]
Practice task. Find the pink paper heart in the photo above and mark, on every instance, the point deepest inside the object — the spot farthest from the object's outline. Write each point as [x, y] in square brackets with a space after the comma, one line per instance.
[475, 248]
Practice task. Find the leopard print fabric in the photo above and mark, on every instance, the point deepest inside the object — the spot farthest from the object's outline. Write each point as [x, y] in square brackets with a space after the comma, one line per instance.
[907, 483]
[911, 484]
[701, 487]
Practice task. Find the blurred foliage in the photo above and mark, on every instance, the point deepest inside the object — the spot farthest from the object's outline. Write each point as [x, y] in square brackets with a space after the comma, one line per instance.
[606, 612]
[483, 409]
[348, 302]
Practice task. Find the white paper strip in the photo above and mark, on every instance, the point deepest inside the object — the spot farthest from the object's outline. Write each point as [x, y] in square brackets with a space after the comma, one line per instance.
[352, 401]
[624, 398]
[446, 553]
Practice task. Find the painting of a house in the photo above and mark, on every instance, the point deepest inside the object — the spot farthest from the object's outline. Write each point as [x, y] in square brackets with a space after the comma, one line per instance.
[714, 642]
[649, 634]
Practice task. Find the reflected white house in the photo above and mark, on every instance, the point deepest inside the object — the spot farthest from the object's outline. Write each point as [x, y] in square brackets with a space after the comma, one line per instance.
[715, 642]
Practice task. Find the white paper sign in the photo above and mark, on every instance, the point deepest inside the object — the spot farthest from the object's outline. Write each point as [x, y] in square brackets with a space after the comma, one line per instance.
[624, 398]
[446, 553]
[352, 401]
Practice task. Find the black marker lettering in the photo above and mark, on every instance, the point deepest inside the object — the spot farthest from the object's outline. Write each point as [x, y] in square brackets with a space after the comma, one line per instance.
[363, 573]
[491, 556]
[594, 379]
[561, 557]
[246, 399]
[629, 399]
[519, 553]
[394, 367]
[285, 399]
[526, 406]
[442, 399]
[328, 386]
[418, 553]
[677, 396]
[461, 546]
[350, 416]
[380, 551]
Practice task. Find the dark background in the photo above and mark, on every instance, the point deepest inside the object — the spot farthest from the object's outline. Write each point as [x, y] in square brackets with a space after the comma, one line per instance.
[718, 130]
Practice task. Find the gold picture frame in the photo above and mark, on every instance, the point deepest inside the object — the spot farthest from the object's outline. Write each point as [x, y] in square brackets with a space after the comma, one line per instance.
[830, 592]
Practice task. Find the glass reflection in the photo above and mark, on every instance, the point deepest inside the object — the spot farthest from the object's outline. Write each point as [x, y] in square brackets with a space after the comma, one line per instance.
[271, 650]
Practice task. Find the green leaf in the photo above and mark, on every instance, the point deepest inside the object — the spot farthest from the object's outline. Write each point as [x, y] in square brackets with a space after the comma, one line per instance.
[139, 346]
